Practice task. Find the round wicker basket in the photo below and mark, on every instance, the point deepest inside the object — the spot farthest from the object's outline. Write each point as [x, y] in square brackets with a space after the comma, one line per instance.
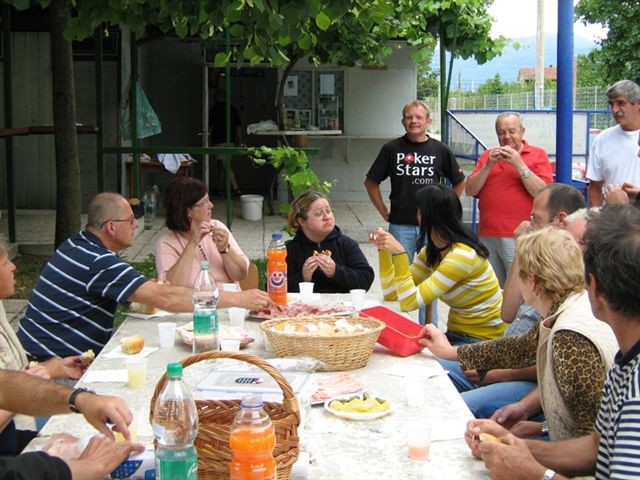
[216, 416]
[338, 352]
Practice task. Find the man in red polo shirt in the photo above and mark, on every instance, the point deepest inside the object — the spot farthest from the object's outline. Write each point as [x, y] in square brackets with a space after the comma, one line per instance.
[504, 180]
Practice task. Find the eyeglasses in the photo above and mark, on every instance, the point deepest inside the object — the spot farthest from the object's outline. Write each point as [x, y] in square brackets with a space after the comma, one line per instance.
[131, 219]
[204, 203]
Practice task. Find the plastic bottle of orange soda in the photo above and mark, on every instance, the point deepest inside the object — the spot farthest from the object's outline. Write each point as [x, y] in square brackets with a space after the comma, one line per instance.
[252, 441]
[277, 269]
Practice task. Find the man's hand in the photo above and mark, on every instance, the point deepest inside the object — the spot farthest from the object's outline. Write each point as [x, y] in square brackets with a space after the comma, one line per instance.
[100, 409]
[525, 227]
[511, 155]
[527, 429]
[509, 415]
[101, 457]
[631, 190]
[253, 299]
[72, 367]
[431, 337]
[478, 426]
[510, 459]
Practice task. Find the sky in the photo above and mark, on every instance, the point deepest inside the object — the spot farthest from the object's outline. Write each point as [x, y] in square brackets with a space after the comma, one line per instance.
[517, 19]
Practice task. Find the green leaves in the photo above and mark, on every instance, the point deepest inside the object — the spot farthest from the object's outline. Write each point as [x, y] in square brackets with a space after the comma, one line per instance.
[323, 21]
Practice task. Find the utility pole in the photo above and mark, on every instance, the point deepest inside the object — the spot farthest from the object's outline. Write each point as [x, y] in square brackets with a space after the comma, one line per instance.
[539, 86]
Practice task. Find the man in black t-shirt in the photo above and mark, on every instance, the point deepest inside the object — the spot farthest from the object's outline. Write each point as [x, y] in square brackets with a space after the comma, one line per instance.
[410, 162]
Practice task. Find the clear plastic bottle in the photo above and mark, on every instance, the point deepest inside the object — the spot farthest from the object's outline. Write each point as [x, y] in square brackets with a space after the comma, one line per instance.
[175, 426]
[252, 441]
[150, 200]
[205, 313]
[277, 269]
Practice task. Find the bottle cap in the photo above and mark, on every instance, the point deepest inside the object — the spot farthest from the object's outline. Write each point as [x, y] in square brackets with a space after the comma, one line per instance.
[251, 401]
[276, 235]
[174, 370]
[204, 265]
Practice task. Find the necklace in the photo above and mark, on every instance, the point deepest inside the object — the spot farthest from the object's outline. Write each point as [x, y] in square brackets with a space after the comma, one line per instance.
[204, 255]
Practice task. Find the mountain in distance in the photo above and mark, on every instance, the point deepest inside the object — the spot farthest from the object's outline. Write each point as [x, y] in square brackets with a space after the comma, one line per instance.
[468, 75]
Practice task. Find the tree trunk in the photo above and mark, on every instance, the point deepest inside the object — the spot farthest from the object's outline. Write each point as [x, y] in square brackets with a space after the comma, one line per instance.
[64, 120]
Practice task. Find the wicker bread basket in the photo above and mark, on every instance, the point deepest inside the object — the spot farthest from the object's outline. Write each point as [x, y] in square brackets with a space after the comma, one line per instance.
[338, 352]
[216, 416]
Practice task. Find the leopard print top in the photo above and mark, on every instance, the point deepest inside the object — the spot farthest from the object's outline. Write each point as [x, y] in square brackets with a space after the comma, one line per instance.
[577, 367]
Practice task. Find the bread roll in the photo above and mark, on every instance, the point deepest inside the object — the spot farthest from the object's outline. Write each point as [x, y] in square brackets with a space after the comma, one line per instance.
[132, 344]
[142, 308]
[487, 437]
[291, 327]
[87, 357]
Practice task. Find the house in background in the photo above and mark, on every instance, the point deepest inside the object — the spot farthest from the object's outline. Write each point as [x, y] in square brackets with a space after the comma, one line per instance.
[528, 74]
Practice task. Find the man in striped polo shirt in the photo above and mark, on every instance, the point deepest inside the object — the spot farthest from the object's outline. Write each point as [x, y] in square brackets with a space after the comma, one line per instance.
[612, 268]
[73, 304]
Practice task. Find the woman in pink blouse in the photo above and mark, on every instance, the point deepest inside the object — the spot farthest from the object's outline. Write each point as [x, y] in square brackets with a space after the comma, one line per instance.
[194, 236]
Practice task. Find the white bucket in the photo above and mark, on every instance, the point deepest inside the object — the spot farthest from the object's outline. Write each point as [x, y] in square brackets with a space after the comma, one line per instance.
[251, 207]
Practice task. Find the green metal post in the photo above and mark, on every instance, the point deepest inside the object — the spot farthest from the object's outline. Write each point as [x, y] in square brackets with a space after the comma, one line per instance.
[8, 119]
[99, 110]
[133, 117]
[227, 74]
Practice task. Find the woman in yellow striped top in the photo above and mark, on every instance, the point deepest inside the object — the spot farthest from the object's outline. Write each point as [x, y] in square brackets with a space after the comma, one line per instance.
[452, 267]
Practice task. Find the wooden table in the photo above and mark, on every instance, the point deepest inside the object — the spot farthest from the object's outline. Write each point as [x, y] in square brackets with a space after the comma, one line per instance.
[340, 449]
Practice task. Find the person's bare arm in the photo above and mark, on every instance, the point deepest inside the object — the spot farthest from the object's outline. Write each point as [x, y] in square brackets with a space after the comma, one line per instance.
[459, 187]
[373, 189]
[511, 295]
[573, 457]
[166, 297]
[595, 193]
[29, 395]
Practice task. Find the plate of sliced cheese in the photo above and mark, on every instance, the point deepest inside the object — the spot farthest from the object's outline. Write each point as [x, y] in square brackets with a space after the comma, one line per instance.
[362, 406]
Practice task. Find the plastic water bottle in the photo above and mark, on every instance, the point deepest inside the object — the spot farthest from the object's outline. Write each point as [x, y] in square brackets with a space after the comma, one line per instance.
[205, 313]
[175, 426]
[252, 441]
[277, 269]
[150, 205]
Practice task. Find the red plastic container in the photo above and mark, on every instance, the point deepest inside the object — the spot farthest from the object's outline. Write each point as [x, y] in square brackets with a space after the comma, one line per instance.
[401, 333]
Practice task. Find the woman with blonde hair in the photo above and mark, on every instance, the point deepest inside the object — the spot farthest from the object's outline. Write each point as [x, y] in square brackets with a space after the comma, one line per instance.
[572, 350]
[319, 252]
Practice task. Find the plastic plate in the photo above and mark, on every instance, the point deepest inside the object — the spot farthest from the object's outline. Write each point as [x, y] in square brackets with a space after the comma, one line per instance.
[354, 415]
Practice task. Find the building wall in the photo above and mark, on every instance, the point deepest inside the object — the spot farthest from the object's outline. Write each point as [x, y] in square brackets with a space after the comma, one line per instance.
[34, 158]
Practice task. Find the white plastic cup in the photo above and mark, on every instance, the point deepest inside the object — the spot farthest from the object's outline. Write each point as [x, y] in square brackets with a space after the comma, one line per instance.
[419, 440]
[230, 287]
[167, 334]
[268, 348]
[230, 345]
[236, 316]
[416, 385]
[357, 298]
[137, 372]
[306, 291]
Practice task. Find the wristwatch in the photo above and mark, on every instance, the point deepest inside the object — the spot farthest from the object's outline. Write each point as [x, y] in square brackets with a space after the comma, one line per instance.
[548, 474]
[222, 252]
[526, 173]
[74, 395]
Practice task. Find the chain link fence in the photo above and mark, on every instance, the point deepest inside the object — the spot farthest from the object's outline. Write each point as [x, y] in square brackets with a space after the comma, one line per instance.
[586, 98]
